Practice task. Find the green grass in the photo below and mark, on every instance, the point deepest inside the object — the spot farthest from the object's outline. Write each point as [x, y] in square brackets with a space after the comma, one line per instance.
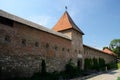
[118, 78]
[118, 66]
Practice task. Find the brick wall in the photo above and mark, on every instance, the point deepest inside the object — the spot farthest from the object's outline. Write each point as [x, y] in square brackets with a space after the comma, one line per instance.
[94, 53]
[22, 48]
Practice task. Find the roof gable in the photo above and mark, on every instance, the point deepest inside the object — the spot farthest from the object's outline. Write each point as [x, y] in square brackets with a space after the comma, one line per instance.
[66, 22]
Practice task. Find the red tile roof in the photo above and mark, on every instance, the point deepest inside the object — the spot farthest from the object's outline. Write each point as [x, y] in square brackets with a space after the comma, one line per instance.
[109, 52]
[65, 23]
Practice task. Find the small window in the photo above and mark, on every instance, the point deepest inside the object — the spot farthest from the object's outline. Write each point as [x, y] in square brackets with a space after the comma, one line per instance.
[24, 42]
[68, 50]
[63, 49]
[47, 45]
[79, 51]
[56, 47]
[76, 51]
[7, 38]
[36, 44]
[6, 21]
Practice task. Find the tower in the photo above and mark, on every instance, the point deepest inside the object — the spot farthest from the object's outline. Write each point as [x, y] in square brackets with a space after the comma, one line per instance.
[67, 26]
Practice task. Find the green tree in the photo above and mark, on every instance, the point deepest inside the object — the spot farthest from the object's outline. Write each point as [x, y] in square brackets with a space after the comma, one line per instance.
[105, 47]
[115, 46]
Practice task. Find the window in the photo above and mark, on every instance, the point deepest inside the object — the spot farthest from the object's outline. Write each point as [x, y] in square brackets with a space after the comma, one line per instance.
[7, 38]
[76, 51]
[63, 49]
[6, 21]
[24, 42]
[36, 44]
[68, 50]
[47, 45]
[56, 47]
[79, 51]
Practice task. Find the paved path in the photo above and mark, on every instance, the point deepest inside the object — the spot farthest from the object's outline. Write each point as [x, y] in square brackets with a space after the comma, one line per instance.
[111, 75]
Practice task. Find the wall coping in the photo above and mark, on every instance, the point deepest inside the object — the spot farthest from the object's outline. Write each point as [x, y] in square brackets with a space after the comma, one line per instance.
[31, 24]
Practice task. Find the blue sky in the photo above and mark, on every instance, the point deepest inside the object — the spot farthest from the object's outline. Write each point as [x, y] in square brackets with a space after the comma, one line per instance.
[98, 19]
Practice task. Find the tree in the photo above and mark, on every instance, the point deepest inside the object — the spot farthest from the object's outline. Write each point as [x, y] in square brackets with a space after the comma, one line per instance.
[105, 47]
[115, 46]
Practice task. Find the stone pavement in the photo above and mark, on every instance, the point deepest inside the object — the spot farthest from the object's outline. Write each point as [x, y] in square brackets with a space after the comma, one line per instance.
[110, 75]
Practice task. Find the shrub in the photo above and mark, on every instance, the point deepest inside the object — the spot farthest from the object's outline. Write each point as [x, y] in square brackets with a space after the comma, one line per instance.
[43, 65]
[101, 64]
[95, 64]
[71, 70]
[111, 65]
[118, 65]
[88, 64]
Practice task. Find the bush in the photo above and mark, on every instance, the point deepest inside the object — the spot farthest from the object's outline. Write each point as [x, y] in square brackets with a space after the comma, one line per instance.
[88, 64]
[101, 64]
[71, 70]
[43, 65]
[95, 64]
[118, 65]
[111, 66]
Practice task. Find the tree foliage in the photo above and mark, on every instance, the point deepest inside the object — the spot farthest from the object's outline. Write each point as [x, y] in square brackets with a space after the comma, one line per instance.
[105, 47]
[88, 64]
[115, 46]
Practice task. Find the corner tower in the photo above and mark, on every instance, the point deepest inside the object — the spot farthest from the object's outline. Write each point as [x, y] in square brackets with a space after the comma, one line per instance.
[67, 26]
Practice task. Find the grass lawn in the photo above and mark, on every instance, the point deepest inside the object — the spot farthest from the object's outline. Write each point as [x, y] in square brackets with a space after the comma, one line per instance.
[118, 78]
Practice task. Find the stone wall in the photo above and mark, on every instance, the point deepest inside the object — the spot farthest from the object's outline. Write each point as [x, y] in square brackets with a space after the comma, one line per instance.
[22, 48]
[77, 45]
[90, 52]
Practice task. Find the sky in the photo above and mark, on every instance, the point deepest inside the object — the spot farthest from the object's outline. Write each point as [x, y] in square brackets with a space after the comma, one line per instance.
[98, 19]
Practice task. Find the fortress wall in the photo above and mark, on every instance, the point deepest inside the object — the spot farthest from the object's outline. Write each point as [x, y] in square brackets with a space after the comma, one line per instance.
[94, 53]
[22, 49]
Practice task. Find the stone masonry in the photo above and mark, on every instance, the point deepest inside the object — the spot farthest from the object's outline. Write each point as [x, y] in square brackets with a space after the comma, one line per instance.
[24, 44]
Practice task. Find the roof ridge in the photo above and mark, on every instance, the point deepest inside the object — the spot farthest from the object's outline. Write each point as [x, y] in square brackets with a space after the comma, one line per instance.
[66, 22]
[72, 22]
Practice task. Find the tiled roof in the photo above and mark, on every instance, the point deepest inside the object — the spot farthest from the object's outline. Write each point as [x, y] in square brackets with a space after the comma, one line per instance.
[31, 24]
[65, 23]
[109, 52]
